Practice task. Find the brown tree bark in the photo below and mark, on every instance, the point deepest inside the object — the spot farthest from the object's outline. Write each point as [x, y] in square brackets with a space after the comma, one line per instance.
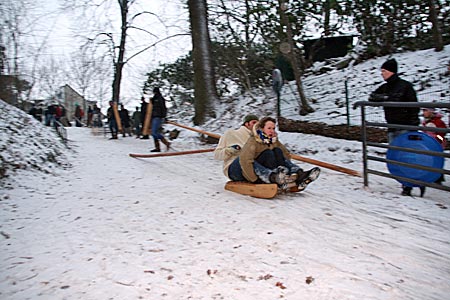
[205, 92]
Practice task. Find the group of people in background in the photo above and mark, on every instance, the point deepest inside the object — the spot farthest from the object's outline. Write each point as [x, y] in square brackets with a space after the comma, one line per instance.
[157, 116]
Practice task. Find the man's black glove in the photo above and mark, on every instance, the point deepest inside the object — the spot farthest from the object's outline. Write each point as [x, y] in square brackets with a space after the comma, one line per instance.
[378, 97]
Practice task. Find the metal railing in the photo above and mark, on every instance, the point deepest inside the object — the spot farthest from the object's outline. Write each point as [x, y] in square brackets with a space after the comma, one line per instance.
[366, 144]
[60, 130]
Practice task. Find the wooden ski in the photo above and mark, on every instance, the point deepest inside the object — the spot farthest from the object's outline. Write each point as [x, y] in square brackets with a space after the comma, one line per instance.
[159, 154]
[148, 119]
[117, 117]
[264, 190]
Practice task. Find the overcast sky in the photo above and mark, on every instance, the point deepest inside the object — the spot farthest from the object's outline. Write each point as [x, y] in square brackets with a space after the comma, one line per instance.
[60, 29]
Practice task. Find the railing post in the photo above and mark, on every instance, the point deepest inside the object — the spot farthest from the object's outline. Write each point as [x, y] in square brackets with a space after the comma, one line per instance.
[347, 102]
[364, 145]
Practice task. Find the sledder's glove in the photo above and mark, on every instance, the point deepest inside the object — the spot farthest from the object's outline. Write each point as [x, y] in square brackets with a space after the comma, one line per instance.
[233, 150]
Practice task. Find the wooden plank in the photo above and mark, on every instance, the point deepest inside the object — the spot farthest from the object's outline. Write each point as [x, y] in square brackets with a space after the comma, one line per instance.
[117, 117]
[148, 119]
[159, 154]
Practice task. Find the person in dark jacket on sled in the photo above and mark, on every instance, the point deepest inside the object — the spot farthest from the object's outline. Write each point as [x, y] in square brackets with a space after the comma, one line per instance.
[264, 159]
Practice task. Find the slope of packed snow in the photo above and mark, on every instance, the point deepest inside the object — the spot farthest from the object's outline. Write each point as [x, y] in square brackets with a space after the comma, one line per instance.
[115, 227]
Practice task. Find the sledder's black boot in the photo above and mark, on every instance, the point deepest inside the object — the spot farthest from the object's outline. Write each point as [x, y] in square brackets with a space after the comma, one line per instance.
[406, 191]
[305, 178]
[422, 191]
[157, 148]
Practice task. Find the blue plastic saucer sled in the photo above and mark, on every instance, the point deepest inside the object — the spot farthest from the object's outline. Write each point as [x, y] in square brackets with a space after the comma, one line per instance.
[415, 140]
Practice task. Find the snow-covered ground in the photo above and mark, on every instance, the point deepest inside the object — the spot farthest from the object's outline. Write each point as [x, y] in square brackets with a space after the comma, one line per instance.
[107, 226]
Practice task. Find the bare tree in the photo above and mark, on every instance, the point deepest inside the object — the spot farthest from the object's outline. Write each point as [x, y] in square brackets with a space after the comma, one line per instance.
[100, 33]
[205, 92]
[51, 76]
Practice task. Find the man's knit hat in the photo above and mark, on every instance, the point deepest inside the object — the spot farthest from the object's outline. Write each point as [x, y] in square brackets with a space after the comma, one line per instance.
[249, 118]
[390, 65]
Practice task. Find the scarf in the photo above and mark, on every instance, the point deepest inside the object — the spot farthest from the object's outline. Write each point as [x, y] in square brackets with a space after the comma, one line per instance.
[264, 138]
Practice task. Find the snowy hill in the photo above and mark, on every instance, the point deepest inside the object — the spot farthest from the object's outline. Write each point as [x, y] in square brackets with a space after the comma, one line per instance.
[115, 227]
[86, 221]
[326, 92]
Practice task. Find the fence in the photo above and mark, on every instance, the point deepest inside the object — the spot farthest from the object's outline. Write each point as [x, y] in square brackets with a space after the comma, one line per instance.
[366, 145]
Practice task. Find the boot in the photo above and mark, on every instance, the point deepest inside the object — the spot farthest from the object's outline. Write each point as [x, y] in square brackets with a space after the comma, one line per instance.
[157, 148]
[166, 142]
[406, 191]
[422, 191]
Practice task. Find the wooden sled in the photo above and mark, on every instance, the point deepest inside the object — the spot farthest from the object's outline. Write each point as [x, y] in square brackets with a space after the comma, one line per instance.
[260, 190]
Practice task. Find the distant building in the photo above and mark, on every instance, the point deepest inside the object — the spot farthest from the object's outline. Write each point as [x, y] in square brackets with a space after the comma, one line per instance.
[68, 97]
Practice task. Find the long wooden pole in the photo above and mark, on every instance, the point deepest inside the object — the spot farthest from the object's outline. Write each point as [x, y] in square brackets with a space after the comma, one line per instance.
[326, 165]
[171, 153]
[214, 135]
[294, 156]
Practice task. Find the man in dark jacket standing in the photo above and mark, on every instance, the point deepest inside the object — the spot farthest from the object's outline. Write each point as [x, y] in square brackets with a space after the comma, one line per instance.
[396, 90]
[159, 112]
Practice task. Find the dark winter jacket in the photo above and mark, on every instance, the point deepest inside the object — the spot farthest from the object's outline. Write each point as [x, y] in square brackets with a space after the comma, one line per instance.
[397, 90]
[124, 117]
[159, 109]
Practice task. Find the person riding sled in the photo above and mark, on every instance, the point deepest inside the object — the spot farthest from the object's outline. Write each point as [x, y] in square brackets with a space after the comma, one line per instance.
[264, 159]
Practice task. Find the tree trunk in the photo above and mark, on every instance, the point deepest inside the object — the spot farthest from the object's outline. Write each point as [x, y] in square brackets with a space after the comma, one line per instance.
[326, 22]
[205, 93]
[304, 106]
[118, 65]
[437, 35]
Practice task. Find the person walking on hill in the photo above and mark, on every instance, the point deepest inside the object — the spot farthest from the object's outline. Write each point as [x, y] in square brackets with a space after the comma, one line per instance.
[112, 121]
[396, 90]
[136, 117]
[79, 114]
[232, 141]
[159, 112]
[125, 119]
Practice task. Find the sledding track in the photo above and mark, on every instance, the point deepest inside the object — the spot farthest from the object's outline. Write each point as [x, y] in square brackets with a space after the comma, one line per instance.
[165, 228]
